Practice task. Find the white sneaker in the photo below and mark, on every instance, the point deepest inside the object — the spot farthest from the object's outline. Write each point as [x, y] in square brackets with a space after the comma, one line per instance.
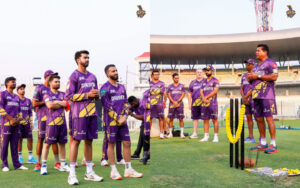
[93, 177]
[104, 162]
[64, 168]
[161, 136]
[205, 139]
[170, 135]
[115, 175]
[121, 162]
[44, 170]
[194, 136]
[72, 180]
[5, 169]
[216, 139]
[22, 168]
[182, 136]
[131, 173]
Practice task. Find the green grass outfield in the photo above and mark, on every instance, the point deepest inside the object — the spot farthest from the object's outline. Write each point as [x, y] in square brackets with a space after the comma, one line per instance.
[180, 162]
[23, 179]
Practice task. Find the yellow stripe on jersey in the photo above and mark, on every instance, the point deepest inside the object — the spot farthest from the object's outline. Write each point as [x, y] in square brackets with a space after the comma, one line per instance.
[257, 89]
[44, 118]
[3, 112]
[58, 120]
[148, 118]
[154, 100]
[88, 110]
[7, 124]
[113, 123]
[79, 97]
[112, 114]
[197, 102]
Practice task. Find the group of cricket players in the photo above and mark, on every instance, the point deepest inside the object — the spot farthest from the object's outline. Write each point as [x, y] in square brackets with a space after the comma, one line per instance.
[79, 99]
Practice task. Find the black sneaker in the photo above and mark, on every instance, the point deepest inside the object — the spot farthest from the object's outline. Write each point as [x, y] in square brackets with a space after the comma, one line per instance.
[135, 157]
[145, 157]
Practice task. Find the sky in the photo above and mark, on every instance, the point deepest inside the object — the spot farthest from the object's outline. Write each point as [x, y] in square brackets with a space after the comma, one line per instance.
[37, 35]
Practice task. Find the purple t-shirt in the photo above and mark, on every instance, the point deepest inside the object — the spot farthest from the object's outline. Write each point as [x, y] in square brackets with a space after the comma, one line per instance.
[26, 110]
[9, 105]
[114, 102]
[175, 92]
[38, 95]
[208, 87]
[55, 117]
[246, 85]
[140, 109]
[194, 89]
[263, 89]
[157, 92]
[77, 91]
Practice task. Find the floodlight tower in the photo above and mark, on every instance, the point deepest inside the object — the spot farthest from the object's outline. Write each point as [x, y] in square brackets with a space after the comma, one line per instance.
[264, 15]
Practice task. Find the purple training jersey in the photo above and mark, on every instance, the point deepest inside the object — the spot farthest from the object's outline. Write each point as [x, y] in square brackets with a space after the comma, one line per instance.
[175, 92]
[38, 95]
[194, 89]
[263, 89]
[55, 117]
[77, 91]
[26, 110]
[247, 87]
[208, 87]
[9, 105]
[146, 105]
[157, 92]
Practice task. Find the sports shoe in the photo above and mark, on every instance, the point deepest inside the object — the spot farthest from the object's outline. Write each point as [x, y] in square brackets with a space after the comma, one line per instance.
[161, 136]
[271, 149]
[5, 169]
[121, 162]
[216, 139]
[131, 173]
[72, 180]
[250, 140]
[170, 135]
[83, 163]
[204, 139]
[135, 157]
[115, 175]
[145, 157]
[182, 136]
[37, 167]
[194, 135]
[260, 147]
[22, 168]
[64, 168]
[104, 162]
[76, 165]
[93, 177]
[31, 160]
[21, 160]
[57, 165]
[44, 170]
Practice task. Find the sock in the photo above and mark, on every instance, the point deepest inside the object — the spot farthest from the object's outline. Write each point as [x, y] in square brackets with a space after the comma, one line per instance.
[89, 167]
[30, 155]
[83, 159]
[56, 157]
[181, 130]
[62, 162]
[127, 165]
[44, 162]
[263, 141]
[273, 142]
[170, 130]
[206, 135]
[72, 168]
[38, 157]
[113, 167]
[20, 154]
[216, 134]
[194, 133]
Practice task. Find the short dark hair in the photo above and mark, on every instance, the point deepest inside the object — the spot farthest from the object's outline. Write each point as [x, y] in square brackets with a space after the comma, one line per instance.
[53, 76]
[132, 99]
[175, 74]
[264, 47]
[155, 70]
[78, 54]
[8, 79]
[107, 67]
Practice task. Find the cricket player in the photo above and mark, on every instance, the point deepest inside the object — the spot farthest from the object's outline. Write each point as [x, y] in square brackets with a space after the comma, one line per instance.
[147, 125]
[26, 125]
[209, 109]
[176, 93]
[263, 78]
[39, 104]
[195, 101]
[246, 93]
[115, 113]
[56, 129]
[11, 116]
[82, 91]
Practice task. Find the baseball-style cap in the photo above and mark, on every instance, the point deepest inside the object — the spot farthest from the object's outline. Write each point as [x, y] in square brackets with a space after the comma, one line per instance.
[250, 61]
[49, 72]
[208, 67]
[22, 85]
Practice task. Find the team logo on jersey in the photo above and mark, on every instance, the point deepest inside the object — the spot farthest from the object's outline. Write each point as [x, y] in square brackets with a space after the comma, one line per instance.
[103, 92]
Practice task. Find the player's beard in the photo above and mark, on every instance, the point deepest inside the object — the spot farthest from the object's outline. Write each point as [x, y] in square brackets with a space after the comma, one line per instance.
[56, 87]
[85, 64]
[208, 75]
[114, 77]
[13, 86]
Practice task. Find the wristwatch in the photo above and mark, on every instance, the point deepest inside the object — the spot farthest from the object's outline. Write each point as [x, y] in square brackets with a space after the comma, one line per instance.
[259, 76]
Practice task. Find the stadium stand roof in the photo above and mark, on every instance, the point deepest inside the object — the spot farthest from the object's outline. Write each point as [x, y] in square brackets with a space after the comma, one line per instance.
[224, 49]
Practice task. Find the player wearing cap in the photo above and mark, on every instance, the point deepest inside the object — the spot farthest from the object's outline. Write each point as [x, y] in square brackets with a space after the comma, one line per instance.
[263, 78]
[176, 93]
[25, 129]
[11, 116]
[246, 93]
[39, 104]
[209, 109]
[195, 101]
